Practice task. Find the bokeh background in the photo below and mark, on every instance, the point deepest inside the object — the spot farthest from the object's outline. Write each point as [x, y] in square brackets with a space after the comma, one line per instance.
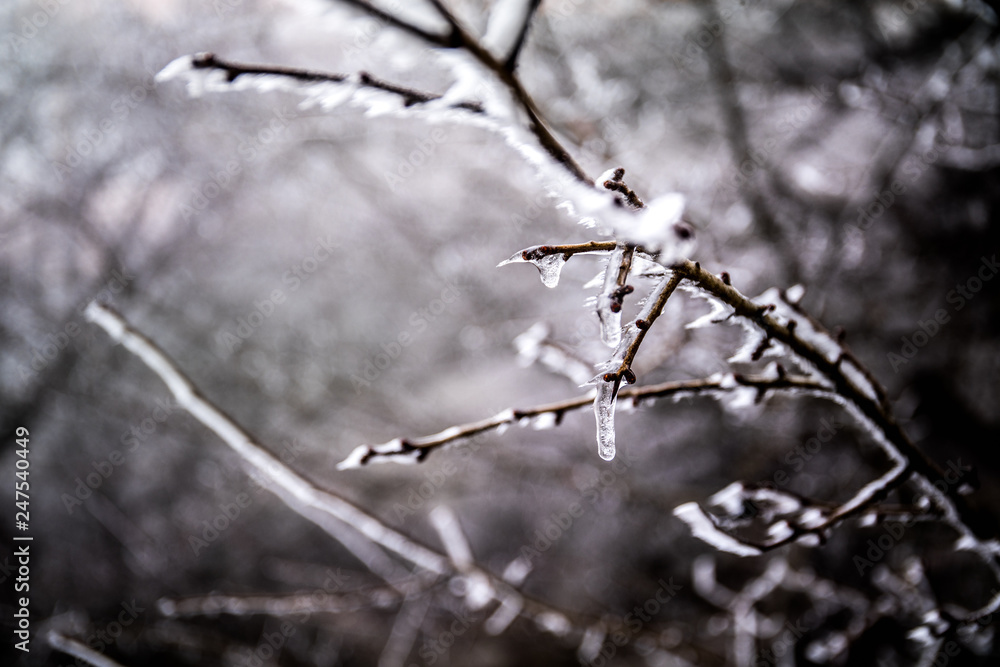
[779, 121]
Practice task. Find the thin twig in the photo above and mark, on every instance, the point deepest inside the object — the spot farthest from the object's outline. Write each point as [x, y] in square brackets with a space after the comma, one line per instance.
[869, 407]
[460, 37]
[447, 41]
[425, 445]
[510, 63]
[659, 297]
[296, 492]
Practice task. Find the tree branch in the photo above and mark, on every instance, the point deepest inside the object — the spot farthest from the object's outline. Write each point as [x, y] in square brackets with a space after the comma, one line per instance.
[418, 449]
[310, 502]
[510, 63]
[447, 41]
[410, 96]
[460, 37]
[299, 494]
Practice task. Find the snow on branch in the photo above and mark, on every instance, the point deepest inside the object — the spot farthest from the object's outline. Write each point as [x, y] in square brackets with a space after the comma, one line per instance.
[207, 72]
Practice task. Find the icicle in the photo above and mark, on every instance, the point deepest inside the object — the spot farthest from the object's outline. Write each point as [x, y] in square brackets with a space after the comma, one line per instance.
[549, 266]
[604, 410]
[609, 306]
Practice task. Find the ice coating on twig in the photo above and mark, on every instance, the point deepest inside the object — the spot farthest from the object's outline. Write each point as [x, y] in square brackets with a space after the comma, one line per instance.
[549, 266]
[609, 307]
[504, 26]
[604, 411]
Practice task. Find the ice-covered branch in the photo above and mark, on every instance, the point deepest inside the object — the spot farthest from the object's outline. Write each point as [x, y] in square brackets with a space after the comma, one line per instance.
[787, 518]
[79, 650]
[616, 183]
[318, 506]
[549, 259]
[411, 450]
[820, 350]
[825, 359]
[296, 492]
[460, 37]
[267, 75]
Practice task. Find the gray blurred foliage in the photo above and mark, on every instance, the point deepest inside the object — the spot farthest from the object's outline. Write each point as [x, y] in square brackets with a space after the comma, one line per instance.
[776, 119]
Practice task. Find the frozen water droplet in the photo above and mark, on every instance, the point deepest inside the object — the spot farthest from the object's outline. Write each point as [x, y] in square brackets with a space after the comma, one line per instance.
[549, 266]
[604, 411]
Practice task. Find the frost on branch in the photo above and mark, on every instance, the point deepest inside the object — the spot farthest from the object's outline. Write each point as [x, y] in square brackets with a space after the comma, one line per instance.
[604, 411]
[609, 301]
